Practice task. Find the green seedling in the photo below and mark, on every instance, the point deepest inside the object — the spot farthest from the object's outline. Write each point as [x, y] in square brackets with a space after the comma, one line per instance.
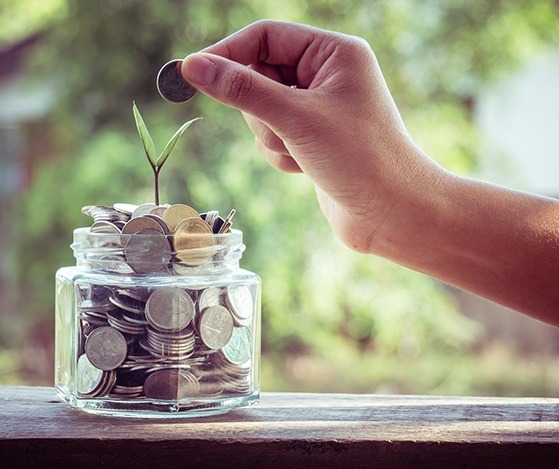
[157, 162]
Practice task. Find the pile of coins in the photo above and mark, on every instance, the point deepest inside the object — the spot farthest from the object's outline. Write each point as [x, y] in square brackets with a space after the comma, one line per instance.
[162, 340]
[150, 238]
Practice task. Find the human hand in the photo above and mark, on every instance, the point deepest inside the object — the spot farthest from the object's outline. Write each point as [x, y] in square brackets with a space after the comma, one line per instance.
[380, 193]
[317, 103]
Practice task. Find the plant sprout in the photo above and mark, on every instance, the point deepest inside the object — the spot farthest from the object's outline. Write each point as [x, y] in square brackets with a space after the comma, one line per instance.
[157, 162]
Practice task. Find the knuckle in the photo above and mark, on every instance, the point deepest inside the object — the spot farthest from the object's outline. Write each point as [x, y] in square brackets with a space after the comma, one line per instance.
[238, 87]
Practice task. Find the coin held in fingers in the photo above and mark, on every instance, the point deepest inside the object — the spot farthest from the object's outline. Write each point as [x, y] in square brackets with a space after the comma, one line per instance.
[171, 85]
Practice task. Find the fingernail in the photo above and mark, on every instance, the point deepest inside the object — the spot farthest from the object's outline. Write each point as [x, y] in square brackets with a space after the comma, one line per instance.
[198, 70]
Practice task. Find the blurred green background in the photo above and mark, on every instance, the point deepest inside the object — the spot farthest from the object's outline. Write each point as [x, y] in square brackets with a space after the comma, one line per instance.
[333, 320]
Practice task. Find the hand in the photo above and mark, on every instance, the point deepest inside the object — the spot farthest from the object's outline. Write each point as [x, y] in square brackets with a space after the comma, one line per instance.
[378, 190]
[317, 103]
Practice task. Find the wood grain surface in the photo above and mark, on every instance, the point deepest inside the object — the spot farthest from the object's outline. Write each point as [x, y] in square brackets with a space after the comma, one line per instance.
[287, 430]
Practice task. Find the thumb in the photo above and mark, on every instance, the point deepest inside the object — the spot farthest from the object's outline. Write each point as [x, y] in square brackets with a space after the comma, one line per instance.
[238, 86]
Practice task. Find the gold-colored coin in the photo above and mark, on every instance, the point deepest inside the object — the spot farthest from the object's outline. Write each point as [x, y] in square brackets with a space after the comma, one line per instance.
[193, 241]
[175, 214]
[193, 226]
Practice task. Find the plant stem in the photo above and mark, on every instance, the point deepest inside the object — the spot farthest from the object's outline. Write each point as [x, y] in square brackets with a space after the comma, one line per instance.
[156, 176]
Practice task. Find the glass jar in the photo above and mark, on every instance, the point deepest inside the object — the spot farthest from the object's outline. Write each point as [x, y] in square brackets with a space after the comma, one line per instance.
[142, 331]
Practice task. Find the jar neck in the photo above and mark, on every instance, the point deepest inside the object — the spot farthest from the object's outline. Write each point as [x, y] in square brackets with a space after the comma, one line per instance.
[140, 254]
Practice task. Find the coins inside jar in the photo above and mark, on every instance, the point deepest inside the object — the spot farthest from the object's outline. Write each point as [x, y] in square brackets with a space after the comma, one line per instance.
[155, 342]
[162, 340]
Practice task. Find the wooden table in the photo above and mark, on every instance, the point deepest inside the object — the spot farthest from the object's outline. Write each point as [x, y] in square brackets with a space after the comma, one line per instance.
[287, 430]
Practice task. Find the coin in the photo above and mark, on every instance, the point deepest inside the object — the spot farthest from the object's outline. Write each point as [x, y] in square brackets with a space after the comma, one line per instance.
[171, 85]
[88, 377]
[210, 218]
[127, 209]
[239, 348]
[169, 309]
[193, 241]
[240, 301]
[147, 251]
[159, 210]
[137, 293]
[175, 214]
[105, 227]
[215, 326]
[95, 306]
[209, 297]
[171, 384]
[120, 322]
[103, 213]
[134, 225]
[106, 348]
[127, 303]
[162, 223]
[143, 209]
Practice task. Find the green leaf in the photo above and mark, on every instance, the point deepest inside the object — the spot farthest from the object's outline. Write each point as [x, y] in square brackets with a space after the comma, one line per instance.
[147, 141]
[171, 144]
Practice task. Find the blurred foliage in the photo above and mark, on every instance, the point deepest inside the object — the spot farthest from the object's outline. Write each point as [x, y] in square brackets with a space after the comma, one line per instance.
[318, 297]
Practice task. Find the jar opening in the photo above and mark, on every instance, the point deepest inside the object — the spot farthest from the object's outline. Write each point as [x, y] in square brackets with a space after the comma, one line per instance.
[153, 252]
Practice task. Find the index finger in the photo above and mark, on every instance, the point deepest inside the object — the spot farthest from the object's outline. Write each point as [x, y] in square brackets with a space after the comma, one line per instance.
[272, 42]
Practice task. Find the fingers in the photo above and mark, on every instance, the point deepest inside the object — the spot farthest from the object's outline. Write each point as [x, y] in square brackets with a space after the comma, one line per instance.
[249, 70]
[265, 41]
[266, 136]
[279, 161]
[271, 147]
[239, 86]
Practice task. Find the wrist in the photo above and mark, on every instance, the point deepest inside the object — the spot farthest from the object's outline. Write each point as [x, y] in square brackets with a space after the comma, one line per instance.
[408, 207]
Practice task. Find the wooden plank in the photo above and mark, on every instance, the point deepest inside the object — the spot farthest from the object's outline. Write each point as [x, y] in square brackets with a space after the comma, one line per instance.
[288, 429]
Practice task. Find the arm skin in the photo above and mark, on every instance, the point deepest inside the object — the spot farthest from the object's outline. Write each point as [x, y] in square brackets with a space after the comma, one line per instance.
[318, 104]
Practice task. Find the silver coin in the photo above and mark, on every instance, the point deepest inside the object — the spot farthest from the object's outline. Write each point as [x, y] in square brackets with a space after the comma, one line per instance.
[142, 210]
[239, 298]
[103, 213]
[239, 348]
[119, 322]
[137, 293]
[140, 223]
[88, 377]
[210, 218]
[160, 221]
[215, 326]
[109, 380]
[209, 297]
[127, 209]
[147, 251]
[106, 348]
[105, 227]
[171, 85]
[127, 303]
[159, 210]
[95, 306]
[169, 309]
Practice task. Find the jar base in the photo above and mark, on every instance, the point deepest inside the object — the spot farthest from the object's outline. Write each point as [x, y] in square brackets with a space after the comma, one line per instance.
[151, 409]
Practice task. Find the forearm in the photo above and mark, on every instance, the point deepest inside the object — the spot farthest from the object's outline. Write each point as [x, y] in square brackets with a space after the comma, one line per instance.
[495, 242]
